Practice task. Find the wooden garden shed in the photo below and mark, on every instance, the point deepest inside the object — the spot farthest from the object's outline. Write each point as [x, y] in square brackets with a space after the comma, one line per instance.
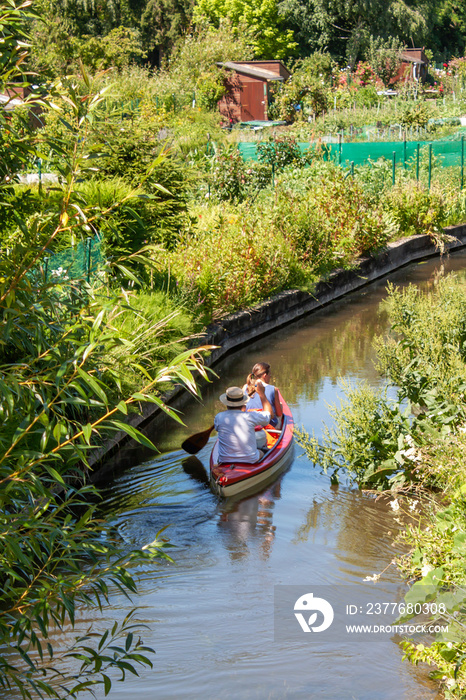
[414, 66]
[247, 96]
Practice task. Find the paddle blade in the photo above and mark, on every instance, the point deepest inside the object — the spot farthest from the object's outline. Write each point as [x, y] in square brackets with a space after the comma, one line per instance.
[196, 442]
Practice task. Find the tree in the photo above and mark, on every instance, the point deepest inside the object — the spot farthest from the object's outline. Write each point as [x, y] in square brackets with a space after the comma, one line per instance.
[125, 30]
[449, 30]
[344, 28]
[385, 58]
[309, 84]
[260, 19]
[163, 22]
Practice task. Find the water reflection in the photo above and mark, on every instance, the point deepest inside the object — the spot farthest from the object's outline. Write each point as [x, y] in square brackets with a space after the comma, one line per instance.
[246, 526]
[329, 353]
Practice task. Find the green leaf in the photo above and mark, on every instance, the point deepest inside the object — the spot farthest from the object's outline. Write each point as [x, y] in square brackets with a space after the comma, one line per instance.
[87, 432]
[107, 683]
[423, 590]
[129, 641]
[459, 543]
[54, 474]
[134, 433]
[93, 384]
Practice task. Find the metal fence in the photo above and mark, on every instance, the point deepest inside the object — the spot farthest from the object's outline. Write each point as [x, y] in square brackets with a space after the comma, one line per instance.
[80, 262]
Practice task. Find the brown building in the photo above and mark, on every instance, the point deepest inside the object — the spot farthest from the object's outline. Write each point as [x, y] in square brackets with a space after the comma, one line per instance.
[248, 82]
[414, 66]
[14, 97]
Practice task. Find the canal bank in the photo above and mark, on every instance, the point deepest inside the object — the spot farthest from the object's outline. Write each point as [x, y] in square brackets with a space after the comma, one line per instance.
[240, 328]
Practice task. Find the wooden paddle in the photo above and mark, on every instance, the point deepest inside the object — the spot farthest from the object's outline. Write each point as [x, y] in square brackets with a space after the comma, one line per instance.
[196, 442]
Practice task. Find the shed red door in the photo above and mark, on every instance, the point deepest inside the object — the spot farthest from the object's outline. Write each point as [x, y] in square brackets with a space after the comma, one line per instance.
[253, 101]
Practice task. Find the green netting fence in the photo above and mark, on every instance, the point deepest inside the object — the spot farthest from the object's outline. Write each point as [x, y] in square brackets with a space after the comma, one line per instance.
[169, 101]
[83, 261]
[447, 152]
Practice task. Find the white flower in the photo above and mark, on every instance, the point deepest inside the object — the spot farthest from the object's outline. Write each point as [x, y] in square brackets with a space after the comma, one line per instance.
[412, 506]
[411, 455]
[374, 577]
[425, 569]
[394, 505]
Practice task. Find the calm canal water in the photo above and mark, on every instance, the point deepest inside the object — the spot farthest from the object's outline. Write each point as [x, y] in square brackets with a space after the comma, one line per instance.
[210, 613]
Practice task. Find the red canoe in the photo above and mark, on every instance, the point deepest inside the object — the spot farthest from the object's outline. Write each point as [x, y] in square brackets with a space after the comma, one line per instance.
[230, 479]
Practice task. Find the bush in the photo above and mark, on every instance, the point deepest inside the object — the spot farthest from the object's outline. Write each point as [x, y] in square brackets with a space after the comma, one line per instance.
[210, 88]
[415, 209]
[279, 151]
[233, 259]
[228, 176]
[366, 96]
[232, 179]
[258, 176]
[416, 114]
[138, 156]
[332, 221]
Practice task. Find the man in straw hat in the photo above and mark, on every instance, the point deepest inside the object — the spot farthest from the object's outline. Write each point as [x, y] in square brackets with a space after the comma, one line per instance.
[236, 427]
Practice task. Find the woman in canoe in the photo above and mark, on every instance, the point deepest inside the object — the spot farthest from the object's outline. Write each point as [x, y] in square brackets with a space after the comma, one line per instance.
[261, 370]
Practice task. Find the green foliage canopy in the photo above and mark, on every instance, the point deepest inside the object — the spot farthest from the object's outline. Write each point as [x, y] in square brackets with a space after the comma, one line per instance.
[384, 57]
[260, 19]
[344, 28]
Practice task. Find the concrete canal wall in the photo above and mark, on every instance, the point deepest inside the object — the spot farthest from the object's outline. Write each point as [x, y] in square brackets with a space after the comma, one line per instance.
[245, 326]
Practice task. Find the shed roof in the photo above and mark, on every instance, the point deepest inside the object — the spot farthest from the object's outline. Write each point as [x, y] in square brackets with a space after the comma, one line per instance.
[252, 72]
[408, 55]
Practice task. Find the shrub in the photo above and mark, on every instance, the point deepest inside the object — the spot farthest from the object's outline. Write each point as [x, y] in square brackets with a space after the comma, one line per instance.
[228, 176]
[375, 178]
[366, 96]
[415, 114]
[232, 179]
[333, 221]
[139, 157]
[364, 74]
[258, 176]
[415, 209]
[233, 259]
[279, 151]
[210, 88]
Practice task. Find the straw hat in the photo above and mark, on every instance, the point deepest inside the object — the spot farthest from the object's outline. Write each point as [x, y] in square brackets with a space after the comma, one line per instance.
[233, 397]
